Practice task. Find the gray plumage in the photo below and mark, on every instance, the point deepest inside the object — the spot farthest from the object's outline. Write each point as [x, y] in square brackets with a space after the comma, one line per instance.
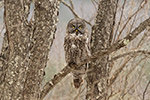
[76, 47]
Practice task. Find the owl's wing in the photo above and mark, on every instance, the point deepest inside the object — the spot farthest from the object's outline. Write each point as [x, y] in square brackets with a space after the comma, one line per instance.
[65, 40]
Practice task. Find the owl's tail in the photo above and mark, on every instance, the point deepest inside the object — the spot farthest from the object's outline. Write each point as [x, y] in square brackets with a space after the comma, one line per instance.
[78, 75]
[78, 81]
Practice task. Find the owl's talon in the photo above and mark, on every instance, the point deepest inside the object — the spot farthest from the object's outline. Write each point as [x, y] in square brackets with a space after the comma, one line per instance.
[72, 64]
[78, 82]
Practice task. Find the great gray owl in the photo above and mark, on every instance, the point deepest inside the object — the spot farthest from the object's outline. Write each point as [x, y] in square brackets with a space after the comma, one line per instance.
[76, 48]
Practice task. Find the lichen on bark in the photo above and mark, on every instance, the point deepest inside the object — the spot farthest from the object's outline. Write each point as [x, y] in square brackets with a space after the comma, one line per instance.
[25, 47]
[100, 40]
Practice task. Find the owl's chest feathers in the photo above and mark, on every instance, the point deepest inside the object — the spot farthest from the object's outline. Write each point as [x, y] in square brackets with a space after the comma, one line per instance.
[73, 46]
[77, 44]
[75, 50]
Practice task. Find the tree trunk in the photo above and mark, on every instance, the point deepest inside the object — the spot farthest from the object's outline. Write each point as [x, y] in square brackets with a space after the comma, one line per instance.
[25, 47]
[98, 71]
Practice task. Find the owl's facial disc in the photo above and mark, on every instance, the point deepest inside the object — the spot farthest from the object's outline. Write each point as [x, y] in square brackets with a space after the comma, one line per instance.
[76, 26]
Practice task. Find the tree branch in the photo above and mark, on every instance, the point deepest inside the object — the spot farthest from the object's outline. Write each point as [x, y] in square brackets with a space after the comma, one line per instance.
[74, 13]
[122, 11]
[71, 3]
[123, 42]
[145, 89]
[129, 53]
[119, 44]
[117, 72]
[141, 6]
[127, 76]
[72, 10]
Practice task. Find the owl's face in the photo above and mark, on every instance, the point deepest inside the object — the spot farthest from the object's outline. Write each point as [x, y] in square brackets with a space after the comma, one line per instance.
[76, 27]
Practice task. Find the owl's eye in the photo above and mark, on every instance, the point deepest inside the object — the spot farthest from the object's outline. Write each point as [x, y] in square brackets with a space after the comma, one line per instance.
[73, 26]
[80, 27]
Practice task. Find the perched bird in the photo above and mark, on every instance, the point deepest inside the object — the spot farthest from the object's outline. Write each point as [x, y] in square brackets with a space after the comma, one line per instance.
[76, 48]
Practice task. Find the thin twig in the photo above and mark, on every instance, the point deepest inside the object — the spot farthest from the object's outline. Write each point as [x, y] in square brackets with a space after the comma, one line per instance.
[117, 72]
[133, 22]
[145, 89]
[141, 42]
[95, 1]
[122, 11]
[74, 13]
[130, 19]
[116, 46]
[130, 53]
[114, 22]
[134, 84]
[94, 4]
[79, 93]
[71, 3]
[127, 76]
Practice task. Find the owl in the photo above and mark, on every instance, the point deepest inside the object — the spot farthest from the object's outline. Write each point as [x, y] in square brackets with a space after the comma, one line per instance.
[76, 48]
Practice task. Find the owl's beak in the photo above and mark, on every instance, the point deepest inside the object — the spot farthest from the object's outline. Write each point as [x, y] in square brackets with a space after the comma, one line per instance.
[76, 30]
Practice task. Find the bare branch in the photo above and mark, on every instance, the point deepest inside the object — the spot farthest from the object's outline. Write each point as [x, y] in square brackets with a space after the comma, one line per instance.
[128, 38]
[114, 22]
[134, 84]
[127, 76]
[95, 1]
[123, 42]
[141, 6]
[145, 89]
[81, 91]
[117, 72]
[57, 78]
[119, 44]
[134, 19]
[74, 13]
[141, 42]
[130, 53]
[94, 4]
[120, 19]
[71, 3]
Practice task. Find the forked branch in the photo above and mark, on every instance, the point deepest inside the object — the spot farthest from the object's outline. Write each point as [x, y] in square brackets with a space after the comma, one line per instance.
[116, 46]
[74, 13]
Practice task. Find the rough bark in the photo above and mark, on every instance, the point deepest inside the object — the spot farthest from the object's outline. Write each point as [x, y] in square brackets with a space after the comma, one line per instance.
[98, 73]
[25, 48]
[14, 50]
[96, 55]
